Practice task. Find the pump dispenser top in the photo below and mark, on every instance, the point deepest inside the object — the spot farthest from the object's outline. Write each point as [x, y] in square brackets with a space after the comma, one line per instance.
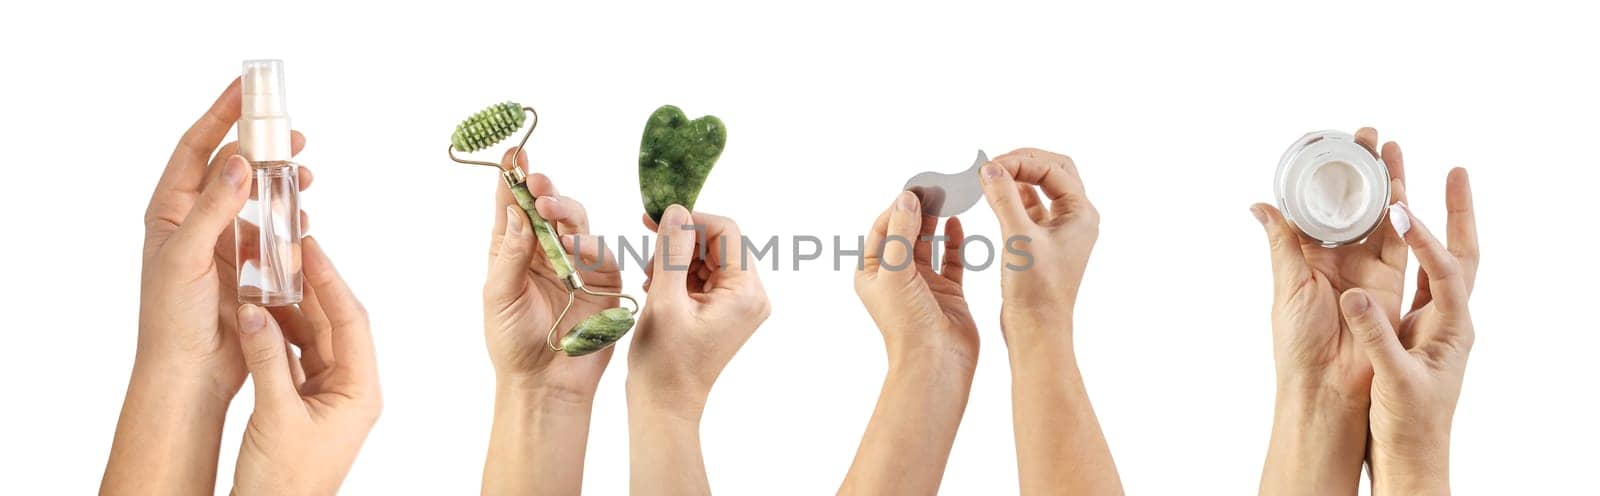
[263, 112]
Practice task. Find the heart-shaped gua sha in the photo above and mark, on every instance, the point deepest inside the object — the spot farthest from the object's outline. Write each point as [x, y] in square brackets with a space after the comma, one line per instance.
[675, 157]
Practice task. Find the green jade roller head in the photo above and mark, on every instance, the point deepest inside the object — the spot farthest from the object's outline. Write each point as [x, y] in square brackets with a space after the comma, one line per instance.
[491, 126]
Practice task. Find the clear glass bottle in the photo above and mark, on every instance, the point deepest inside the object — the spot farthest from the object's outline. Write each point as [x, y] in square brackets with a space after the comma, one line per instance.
[267, 231]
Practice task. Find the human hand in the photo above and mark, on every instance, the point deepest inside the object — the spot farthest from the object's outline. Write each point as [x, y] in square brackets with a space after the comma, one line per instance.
[312, 413]
[1419, 368]
[522, 296]
[704, 301]
[921, 312]
[1324, 380]
[1314, 357]
[1046, 247]
[188, 287]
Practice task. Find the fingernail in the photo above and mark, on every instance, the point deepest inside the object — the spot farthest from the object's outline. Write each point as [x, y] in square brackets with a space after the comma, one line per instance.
[233, 170]
[907, 202]
[1355, 303]
[991, 171]
[1400, 218]
[251, 319]
[673, 215]
[1261, 215]
[513, 221]
[551, 199]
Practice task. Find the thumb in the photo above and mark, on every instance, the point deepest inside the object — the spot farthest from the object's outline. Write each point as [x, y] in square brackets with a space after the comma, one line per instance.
[1288, 261]
[213, 212]
[1373, 333]
[265, 355]
[675, 237]
[506, 280]
[900, 238]
[1004, 198]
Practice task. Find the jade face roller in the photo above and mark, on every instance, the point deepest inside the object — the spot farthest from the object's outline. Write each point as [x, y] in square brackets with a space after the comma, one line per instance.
[1332, 188]
[595, 332]
[946, 195]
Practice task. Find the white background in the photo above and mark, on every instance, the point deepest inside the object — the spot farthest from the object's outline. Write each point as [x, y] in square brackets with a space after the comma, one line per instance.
[1175, 112]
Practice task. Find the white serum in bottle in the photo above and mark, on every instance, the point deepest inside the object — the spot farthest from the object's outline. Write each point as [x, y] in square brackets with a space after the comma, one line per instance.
[267, 231]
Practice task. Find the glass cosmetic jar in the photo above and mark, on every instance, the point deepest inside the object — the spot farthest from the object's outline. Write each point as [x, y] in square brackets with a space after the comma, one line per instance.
[1332, 188]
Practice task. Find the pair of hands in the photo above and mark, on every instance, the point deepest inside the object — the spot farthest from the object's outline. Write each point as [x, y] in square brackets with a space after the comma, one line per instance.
[932, 339]
[702, 305]
[1351, 365]
[197, 344]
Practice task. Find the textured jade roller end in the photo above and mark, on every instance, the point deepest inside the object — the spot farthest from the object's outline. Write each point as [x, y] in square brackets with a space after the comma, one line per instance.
[488, 127]
[597, 332]
[675, 157]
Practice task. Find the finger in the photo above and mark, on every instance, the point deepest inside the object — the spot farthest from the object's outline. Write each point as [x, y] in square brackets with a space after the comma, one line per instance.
[872, 253]
[264, 351]
[922, 251]
[1461, 230]
[1424, 294]
[186, 169]
[218, 205]
[723, 251]
[1030, 201]
[352, 338]
[305, 177]
[675, 243]
[508, 270]
[301, 331]
[541, 185]
[1395, 161]
[1445, 282]
[1288, 262]
[951, 268]
[1368, 138]
[1373, 333]
[1055, 173]
[1001, 191]
[1391, 249]
[905, 224]
[591, 250]
[568, 215]
[502, 193]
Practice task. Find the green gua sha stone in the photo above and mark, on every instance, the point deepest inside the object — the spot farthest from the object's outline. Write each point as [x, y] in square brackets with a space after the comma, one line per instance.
[597, 332]
[675, 157]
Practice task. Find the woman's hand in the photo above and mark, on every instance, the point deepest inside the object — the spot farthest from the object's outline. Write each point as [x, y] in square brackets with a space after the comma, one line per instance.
[543, 398]
[1047, 246]
[188, 365]
[312, 413]
[704, 302]
[1324, 380]
[1060, 447]
[1418, 370]
[932, 344]
[921, 311]
[522, 295]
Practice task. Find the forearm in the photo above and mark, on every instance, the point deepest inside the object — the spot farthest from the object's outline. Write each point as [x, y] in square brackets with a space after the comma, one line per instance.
[1317, 446]
[664, 447]
[168, 435]
[538, 440]
[909, 437]
[1060, 447]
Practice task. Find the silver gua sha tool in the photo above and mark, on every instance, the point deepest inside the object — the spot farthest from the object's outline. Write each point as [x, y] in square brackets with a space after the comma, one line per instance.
[946, 195]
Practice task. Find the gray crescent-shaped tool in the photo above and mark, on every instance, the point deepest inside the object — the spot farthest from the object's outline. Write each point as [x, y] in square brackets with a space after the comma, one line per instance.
[946, 195]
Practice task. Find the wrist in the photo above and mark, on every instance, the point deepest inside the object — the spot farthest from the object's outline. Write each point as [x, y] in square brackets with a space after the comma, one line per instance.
[939, 358]
[1417, 480]
[662, 401]
[193, 385]
[536, 388]
[1036, 329]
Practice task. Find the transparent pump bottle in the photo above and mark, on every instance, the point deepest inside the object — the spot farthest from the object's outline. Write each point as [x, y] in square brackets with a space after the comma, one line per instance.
[267, 231]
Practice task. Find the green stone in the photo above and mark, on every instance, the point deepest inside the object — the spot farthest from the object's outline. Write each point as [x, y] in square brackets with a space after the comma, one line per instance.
[675, 157]
[597, 332]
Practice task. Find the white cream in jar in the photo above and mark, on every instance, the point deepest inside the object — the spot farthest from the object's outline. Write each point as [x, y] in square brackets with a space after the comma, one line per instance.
[1332, 188]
